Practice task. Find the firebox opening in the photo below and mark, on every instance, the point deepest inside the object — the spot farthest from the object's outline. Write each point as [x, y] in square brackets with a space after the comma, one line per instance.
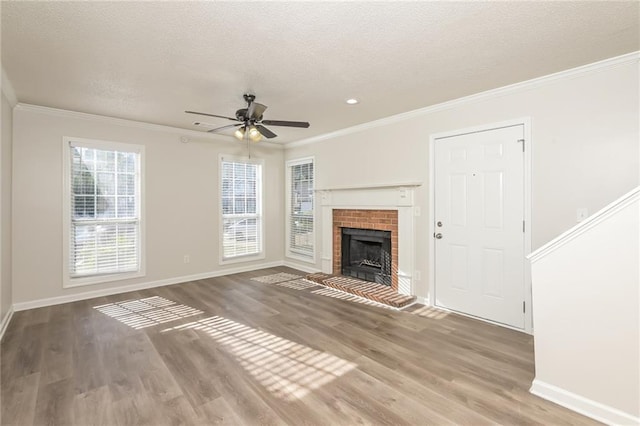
[366, 254]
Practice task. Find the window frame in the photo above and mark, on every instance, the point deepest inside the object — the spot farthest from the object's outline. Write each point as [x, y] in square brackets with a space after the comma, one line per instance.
[69, 281]
[291, 253]
[259, 208]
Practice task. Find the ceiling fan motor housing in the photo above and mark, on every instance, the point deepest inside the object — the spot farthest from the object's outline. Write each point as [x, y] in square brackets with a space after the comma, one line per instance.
[241, 115]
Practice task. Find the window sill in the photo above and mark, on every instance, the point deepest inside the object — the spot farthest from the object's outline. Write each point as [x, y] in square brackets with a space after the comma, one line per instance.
[69, 282]
[242, 259]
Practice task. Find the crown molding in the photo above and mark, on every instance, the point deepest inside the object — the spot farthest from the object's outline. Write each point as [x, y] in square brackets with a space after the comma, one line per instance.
[493, 93]
[184, 133]
[7, 89]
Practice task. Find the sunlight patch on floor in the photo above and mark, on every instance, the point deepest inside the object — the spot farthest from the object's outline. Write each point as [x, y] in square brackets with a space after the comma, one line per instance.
[300, 284]
[287, 369]
[276, 278]
[147, 312]
[429, 312]
[337, 294]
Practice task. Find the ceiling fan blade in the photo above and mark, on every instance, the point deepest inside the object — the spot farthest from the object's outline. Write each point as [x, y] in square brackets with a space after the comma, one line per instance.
[211, 115]
[217, 129]
[255, 110]
[265, 132]
[302, 124]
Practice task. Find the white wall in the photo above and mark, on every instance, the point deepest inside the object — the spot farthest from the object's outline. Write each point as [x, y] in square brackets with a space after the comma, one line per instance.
[585, 131]
[5, 207]
[182, 208]
[585, 153]
[586, 306]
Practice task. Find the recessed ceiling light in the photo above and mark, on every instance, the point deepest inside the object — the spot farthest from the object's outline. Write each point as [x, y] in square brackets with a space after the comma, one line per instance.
[352, 101]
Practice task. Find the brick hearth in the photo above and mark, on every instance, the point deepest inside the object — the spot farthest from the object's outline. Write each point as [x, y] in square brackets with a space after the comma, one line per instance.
[383, 220]
[372, 291]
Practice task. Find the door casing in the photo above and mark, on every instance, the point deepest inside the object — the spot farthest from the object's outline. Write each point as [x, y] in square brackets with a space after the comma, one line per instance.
[526, 123]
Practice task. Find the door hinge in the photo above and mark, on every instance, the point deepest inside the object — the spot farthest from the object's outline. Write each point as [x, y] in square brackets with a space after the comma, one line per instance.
[523, 226]
[523, 307]
[522, 140]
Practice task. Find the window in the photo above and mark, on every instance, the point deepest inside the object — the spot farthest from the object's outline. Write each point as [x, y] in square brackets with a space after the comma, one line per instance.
[241, 203]
[300, 235]
[103, 211]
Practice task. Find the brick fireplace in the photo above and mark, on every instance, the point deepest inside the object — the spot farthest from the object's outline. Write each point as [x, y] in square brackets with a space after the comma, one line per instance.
[389, 207]
[381, 220]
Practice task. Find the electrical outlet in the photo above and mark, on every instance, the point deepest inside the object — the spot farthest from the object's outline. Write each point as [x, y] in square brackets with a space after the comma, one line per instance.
[186, 258]
[416, 275]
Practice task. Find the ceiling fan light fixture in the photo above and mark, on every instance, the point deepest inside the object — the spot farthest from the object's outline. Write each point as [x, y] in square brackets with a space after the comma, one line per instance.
[254, 134]
[239, 133]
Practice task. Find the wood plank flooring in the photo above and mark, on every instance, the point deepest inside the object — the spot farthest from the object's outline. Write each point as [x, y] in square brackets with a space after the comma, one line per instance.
[263, 347]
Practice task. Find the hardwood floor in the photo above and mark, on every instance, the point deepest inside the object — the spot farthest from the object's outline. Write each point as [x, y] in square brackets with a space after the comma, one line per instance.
[248, 349]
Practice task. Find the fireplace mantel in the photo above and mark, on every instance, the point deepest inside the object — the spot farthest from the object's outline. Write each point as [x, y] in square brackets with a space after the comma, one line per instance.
[398, 197]
[372, 186]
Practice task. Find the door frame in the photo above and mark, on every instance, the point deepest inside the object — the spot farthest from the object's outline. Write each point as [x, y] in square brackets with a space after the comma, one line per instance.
[526, 123]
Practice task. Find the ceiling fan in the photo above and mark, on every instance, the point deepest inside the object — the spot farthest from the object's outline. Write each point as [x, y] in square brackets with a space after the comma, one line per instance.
[250, 121]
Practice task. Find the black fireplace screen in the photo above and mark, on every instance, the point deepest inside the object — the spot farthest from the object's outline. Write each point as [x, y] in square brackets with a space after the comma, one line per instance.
[366, 254]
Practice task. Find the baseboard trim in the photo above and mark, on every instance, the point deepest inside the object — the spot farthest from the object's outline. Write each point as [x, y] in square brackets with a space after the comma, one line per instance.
[423, 300]
[595, 410]
[58, 300]
[5, 322]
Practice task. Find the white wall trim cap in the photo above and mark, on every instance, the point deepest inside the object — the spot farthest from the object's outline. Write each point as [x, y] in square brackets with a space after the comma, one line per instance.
[7, 89]
[595, 410]
[500, 91]
[39, 303]
[184, 133]
[598, 217]
[5, 322]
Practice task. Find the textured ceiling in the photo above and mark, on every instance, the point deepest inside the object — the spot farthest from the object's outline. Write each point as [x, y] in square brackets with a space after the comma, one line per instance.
[150, 61]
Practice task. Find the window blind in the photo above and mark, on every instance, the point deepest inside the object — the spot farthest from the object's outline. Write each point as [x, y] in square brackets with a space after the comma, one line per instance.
[105, 211]
[301, 218]
[241, 189]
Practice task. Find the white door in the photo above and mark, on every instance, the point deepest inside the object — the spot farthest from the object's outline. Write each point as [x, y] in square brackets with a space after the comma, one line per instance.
[479, 224]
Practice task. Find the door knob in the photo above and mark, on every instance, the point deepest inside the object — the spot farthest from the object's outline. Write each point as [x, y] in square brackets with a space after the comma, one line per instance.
[438, 236]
